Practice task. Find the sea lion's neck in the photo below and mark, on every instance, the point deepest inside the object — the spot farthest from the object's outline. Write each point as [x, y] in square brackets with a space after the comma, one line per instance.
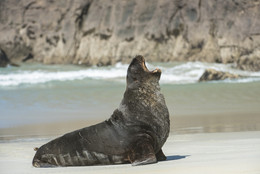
[141, 94]
[146, 105]
[141, 101]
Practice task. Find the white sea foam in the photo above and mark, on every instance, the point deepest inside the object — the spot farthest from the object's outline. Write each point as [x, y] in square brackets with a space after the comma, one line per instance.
[188, 72]
[42, 76]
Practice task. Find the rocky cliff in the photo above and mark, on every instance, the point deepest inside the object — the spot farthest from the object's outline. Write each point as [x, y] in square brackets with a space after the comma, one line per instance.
[102, 32]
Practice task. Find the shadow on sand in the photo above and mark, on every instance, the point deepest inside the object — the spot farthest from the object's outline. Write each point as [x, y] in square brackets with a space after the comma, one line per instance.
[176, 157]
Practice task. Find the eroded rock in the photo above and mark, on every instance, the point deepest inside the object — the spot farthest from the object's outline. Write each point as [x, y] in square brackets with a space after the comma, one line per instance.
[3, 59]
[97, 32]
[211, 74]
[249, 63]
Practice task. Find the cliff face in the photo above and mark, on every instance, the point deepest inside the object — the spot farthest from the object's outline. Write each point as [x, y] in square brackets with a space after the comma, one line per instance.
[98, 32]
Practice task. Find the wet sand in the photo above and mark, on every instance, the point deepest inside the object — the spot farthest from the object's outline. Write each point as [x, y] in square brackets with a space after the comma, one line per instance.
[225, 153]
[180, 124]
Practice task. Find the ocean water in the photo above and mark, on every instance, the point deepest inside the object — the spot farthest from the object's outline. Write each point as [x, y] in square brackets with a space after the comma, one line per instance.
[43, 94]
[173, 73]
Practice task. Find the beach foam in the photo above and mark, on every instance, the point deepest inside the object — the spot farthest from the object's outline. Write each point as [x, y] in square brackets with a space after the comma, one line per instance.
[181, 73]
[40, 76]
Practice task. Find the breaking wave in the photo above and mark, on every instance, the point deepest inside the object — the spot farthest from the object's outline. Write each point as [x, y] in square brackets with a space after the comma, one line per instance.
[172, 73]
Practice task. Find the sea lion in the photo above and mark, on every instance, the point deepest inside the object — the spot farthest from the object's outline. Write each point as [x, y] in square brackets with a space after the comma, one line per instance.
[135, 133]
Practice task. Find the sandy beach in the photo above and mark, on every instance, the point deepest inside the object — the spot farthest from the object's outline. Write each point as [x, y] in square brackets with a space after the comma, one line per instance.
[233, 152]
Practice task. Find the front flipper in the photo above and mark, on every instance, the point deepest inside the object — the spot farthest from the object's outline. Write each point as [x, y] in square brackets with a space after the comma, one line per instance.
[142, 154]
[160, 156]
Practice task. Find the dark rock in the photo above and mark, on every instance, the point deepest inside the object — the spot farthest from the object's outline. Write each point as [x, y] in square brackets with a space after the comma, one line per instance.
[211, 74]
[28, 57]
[3, 59]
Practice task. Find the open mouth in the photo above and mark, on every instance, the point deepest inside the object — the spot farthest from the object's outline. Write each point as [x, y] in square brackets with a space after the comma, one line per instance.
[157, 70]
[141, 60]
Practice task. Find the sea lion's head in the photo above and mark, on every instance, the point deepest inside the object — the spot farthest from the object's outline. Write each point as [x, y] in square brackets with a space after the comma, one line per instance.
[138, 75]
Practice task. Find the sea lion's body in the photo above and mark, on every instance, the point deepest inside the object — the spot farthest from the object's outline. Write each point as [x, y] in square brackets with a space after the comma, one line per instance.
[135, 133]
